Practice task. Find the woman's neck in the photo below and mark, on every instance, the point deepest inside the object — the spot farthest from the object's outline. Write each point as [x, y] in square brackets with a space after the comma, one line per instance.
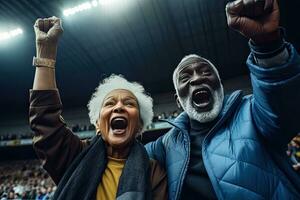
[119, 153]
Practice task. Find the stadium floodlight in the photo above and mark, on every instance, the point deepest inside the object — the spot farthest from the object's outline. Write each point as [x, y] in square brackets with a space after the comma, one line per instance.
[79, 8]
[10, 34]
[107, 2]
[89, 5]
[95, 3]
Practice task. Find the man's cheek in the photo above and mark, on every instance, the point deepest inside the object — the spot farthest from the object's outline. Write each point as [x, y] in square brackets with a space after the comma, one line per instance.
[183, 91]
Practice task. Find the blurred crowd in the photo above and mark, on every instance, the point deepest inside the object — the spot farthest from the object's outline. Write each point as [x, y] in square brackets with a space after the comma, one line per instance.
[25, 180]
[16, 136]
[294, 152]
[165, 115]
[82, 127]
[28, 135]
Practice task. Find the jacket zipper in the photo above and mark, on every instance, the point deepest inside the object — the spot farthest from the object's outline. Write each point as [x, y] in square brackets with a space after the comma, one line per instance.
[219, 123]
[179, 188]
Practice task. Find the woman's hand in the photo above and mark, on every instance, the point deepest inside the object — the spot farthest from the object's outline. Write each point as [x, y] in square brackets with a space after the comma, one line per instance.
[47, 33]
[255, 19]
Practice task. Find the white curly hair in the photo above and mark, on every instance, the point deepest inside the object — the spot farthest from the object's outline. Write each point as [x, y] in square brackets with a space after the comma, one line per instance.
[119, 82]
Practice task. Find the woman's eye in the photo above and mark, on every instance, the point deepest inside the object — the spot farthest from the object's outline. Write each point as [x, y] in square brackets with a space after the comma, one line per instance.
[131, 104]
[109, 103]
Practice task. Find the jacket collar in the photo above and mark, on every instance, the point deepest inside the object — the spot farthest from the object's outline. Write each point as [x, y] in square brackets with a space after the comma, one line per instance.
[182, 121]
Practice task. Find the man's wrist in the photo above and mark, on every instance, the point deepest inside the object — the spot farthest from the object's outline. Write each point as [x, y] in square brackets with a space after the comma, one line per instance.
[266, 39]
[268, 49]
[278, 59]
[270, 53]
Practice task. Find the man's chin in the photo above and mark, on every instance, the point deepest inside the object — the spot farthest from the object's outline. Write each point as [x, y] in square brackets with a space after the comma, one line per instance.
[201, 117]
[204, 107]
[206, 113]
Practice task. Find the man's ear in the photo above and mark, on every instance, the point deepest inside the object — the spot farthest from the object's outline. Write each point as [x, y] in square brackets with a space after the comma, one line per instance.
[221, 80]
[177, 101]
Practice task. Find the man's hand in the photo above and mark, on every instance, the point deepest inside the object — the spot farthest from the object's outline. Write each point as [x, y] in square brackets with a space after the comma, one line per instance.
[47, 33]
[296, 167]
[257, 20]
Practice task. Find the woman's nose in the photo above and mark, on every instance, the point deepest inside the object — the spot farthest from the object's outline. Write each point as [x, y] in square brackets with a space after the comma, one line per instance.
[119, 107]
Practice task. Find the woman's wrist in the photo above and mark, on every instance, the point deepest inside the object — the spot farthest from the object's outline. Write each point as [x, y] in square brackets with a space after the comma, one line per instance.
[46, 52]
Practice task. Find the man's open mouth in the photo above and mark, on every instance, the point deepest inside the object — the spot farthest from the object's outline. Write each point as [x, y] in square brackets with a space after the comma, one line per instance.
[202, 97]
[118, 125]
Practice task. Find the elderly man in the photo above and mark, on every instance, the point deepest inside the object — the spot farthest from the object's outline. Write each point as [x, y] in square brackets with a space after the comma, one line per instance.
[233, 147]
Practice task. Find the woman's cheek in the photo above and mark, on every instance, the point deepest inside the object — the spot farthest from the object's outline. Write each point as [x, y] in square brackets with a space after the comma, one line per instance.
[104, 123]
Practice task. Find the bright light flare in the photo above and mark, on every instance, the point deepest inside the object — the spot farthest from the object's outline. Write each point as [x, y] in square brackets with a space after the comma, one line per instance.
[10, 34]
[76, 9]
[89, 5]
[108, 2]
[95, 3]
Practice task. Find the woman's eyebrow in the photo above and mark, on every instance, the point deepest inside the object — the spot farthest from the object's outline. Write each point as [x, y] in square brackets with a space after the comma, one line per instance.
[130, 98]
[109, 98]
[125, 98]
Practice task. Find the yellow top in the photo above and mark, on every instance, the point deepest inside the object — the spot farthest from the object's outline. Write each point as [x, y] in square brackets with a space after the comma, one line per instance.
[107, 189]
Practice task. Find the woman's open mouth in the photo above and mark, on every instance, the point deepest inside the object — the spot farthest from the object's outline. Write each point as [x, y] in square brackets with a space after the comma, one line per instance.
[202, 98]
[118, 125]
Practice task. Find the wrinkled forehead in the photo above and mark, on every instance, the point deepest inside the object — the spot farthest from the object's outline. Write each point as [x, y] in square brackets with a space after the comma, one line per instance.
[188, 60]
[120, 93]
[198, 65]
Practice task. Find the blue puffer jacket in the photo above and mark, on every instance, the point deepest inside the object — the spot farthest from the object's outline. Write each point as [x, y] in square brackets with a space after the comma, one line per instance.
[244, 153]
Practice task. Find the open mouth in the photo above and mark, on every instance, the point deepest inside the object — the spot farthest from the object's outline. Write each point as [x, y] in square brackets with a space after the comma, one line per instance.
[119, 125]
[202, 97]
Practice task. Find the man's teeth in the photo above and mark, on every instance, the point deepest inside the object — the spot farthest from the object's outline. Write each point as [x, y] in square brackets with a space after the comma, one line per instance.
[201, 98]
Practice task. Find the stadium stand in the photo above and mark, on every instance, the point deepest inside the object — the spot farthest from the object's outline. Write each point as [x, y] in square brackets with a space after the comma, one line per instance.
[25, 180]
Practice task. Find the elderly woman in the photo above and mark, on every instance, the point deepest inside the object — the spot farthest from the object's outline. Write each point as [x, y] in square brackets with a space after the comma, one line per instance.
[113, 164]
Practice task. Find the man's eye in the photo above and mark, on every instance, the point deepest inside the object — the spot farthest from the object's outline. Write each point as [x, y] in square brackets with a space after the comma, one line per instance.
[184, 78]
[207, 73]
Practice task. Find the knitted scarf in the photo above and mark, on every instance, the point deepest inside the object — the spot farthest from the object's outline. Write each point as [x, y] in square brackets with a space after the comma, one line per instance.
[83, 176]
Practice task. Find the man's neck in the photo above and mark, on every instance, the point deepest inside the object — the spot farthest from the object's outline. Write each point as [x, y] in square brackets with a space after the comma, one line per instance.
[198, 126]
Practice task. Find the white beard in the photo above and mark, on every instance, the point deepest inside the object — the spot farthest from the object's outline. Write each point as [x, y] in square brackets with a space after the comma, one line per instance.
[207, 116]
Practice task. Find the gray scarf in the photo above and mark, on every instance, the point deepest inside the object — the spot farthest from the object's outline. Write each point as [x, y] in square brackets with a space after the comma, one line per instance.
[83, 176]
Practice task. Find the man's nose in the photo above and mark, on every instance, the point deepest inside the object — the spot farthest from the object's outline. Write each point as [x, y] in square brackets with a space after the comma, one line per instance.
[119, 107]
[197, 79]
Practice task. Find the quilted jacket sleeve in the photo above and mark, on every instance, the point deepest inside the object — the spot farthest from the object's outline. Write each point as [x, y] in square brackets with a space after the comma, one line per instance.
[53, 141]
[276, 98]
